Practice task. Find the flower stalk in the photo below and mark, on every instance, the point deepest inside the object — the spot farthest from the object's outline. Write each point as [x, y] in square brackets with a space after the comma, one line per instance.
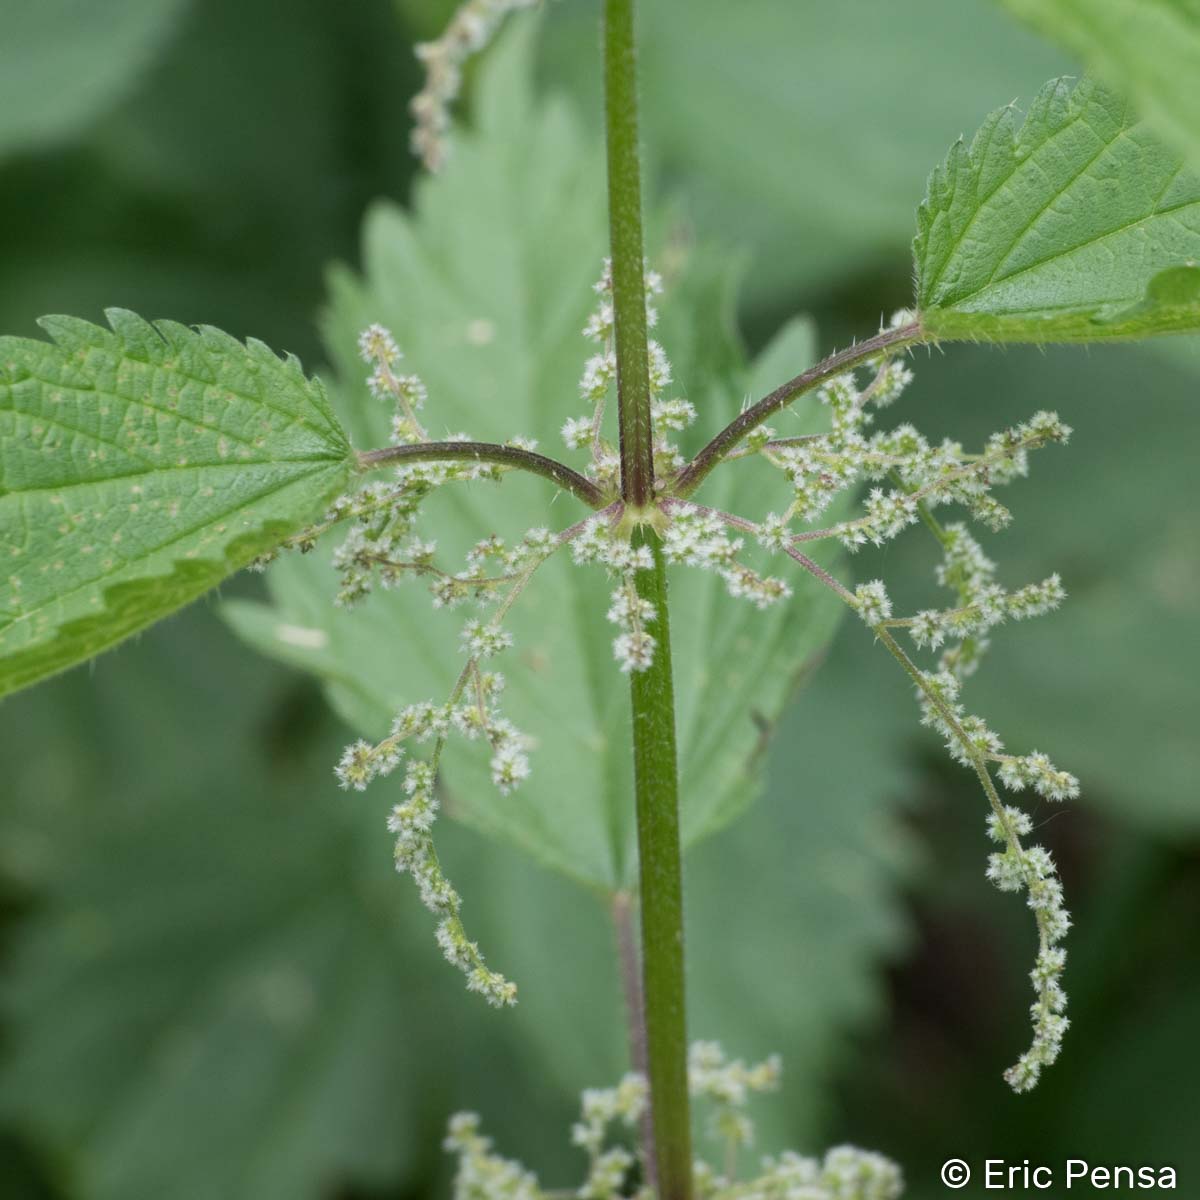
[488, 452]
[725, 442]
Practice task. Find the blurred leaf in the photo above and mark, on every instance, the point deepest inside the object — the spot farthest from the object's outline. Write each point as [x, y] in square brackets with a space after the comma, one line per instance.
[804, 132]
[221, 190]
[1147, 49]
[63, 63]
[488, 306]
[223, 993]
[780, 965]
[226, 992]
[215, 449]
[1074, 226]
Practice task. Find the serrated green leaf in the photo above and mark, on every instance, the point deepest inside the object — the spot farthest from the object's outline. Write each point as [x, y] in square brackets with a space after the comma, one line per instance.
[1147, 49]
[138, 468]
[489, 313]
[1059, 229]
[64, 62]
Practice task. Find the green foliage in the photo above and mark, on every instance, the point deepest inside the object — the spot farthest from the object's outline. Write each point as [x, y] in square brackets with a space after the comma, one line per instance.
[217, 191]
[225, 992]
[804, 130]
[221, 996]
[1147, 49]
[1076, 226]
[489, 314]
[139, 468]
[1119, 657]
[64, 62]
[280, 1026]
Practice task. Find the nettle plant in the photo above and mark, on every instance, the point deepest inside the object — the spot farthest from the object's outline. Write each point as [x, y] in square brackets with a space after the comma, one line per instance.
[144, 463]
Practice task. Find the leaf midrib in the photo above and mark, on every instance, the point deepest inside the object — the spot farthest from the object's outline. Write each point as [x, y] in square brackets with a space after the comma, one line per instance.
[1166, 212]
[176, 470]
[61, 596]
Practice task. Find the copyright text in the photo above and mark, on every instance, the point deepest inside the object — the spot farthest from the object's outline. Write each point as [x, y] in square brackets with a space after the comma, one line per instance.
[998, 1174]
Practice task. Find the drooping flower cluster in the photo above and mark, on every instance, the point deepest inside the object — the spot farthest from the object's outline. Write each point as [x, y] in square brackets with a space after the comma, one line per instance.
[471, 28]
[845, 1173]
[472, 711]
[1016, 868]
[381, 547]
[923, 478]
[482, 1175]
[982, 602]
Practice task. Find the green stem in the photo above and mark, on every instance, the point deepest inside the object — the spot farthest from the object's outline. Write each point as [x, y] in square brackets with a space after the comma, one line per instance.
[628, 254]
[661, 887]
[656, 775]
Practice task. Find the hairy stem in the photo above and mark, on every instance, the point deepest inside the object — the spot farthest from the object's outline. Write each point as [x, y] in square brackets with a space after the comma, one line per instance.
[489, 452]
[656, 776]
[661, 888]
[628, 254]
[690, 478]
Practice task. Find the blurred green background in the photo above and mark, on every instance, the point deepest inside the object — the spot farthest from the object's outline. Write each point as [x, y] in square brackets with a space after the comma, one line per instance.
[213, 985]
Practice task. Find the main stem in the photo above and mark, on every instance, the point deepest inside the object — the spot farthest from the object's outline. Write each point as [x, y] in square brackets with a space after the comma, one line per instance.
[656, 775]
[660, 877]
[628, 254]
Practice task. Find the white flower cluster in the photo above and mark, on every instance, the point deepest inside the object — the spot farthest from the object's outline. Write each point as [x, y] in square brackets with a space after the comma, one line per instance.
[982, 603]
[697, 538]
[872, 602]
[925, 477]
[1017, 867]
[381, 547]
[471, 28]
[598, 542]
[473, 712]
[602, 1108]
[379, 544]
[482, 1175]
[845, 1173]
[379, 350]
[821, 466]
[727, 1086]
[600, 373]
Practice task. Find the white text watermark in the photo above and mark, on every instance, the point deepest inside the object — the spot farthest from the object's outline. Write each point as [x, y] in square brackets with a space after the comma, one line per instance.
[1001, 1175]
